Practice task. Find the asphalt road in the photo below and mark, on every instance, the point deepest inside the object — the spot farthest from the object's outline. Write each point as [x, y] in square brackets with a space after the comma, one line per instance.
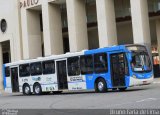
[143, 97]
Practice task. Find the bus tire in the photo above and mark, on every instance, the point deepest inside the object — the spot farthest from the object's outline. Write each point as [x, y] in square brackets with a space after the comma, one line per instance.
[26, 89]
[101, 86]
[37, 89]
[122, 89]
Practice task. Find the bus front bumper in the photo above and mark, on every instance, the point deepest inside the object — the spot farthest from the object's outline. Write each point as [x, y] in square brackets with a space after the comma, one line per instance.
[137, 82]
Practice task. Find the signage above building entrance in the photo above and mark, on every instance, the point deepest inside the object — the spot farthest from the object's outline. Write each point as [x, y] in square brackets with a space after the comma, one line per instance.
[28, 3]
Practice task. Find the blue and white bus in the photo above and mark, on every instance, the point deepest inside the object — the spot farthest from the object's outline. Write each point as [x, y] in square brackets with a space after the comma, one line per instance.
[117, 67]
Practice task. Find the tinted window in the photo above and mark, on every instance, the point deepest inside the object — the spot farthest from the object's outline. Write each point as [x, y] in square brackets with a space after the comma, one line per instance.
[7, 71]
[121, 59]
[24, 70]
[36, 68]
[73, 66]
[126, 66]
[141, 62]
[86, 63]
[100, 62]
[48, 67]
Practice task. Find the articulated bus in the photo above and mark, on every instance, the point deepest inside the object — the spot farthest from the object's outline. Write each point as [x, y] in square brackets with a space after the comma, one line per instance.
[116, 67]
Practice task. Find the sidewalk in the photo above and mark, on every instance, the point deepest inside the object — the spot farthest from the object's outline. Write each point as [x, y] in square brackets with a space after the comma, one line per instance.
[157, 78]
[3, 93]
[156, 81]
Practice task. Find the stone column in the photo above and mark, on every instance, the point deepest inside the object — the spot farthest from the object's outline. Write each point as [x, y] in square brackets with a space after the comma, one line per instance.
[1, 67]
[140, 22]
[106, 23]
[158, 34]
[77, 25]
[17, 36]
[52, 28]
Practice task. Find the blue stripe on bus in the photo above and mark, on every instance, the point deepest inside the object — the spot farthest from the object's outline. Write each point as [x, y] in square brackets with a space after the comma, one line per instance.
[107, 76]
[4, 77]
[90, 80]
[143, 75]
[127, 80]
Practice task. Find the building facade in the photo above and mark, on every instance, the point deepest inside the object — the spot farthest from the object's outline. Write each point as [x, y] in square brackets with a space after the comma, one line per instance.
[35, 28]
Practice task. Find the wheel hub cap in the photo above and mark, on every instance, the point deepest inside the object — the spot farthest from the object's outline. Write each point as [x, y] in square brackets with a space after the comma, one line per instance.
[26, 90]
[37, 89]
[100, 86]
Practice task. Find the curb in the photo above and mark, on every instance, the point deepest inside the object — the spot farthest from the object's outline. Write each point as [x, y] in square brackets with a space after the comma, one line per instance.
[156, 79]
[3, 93]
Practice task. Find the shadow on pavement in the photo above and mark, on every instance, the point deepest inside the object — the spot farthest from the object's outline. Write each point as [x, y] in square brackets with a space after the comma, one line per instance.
[86, 92]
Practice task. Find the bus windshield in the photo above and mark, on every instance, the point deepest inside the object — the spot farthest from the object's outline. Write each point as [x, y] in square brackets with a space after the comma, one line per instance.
[141, 62]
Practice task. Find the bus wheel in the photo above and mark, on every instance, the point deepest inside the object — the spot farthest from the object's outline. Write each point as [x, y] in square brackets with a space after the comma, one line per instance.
[26, 89]
[37, 89]
[122, 89]
[101, 86]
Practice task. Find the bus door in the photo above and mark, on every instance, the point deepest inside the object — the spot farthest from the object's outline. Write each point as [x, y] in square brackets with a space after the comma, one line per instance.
[14, 79]
[118, 69]
[62, 74]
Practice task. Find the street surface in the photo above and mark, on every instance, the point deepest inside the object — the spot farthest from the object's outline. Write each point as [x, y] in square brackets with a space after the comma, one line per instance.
[143, 97]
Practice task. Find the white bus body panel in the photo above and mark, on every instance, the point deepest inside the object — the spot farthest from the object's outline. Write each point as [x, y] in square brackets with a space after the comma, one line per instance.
[77, 82]
[136, 82]
[49, 83]
[23, 80]
[8, 88]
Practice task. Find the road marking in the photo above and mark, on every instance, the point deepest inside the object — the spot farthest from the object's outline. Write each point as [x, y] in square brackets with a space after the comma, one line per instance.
[148, 99]
[139, 101]
[119, 104]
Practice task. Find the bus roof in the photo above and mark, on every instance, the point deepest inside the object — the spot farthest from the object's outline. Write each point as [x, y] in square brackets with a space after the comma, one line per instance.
[45, 58]
[72, 54]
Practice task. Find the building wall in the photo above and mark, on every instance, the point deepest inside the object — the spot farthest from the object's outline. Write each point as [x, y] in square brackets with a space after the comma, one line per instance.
[10, 13]
[108, 32]
[124, 32]
[153, 32]
[30, 36]
[93, 38]
[9, 10]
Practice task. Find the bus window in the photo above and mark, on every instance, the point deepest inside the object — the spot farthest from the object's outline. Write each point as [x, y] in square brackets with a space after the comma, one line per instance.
[126, 66]
[7, 71]
[48, 67]
[36, 68]
[122, 67]
[100, 63]
[73, 66]
[86, 63]
[24, 70]
[141, 62]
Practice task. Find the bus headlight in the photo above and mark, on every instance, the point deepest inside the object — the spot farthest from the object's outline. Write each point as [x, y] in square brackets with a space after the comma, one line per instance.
[134, 76]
